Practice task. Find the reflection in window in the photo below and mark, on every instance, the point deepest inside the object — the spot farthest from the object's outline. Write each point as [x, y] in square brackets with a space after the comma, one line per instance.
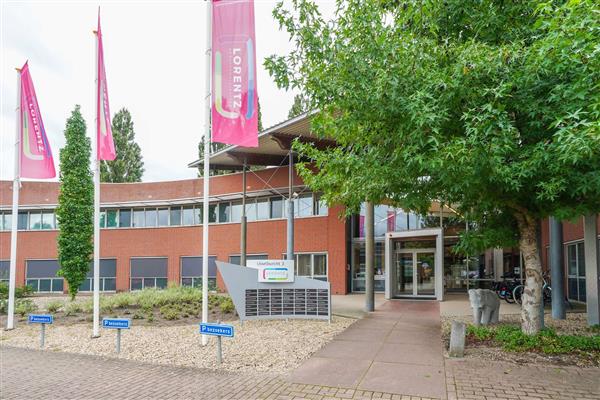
[236, 211]
[139, 218]
[163, 217]
[151, 217]
[48, 220]
[22, 221]
[251, 210]
[276, 207]
[111, 218]
[125, 218]
[212, 213]
[224, 209]
[35, 220]
[262, 209]
[188, 215]
[175, 217]
[303, 205]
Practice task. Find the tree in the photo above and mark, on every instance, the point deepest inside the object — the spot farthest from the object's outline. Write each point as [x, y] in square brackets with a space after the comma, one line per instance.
[300, 106]
[492, 107]
[75, 211]
[128, 166]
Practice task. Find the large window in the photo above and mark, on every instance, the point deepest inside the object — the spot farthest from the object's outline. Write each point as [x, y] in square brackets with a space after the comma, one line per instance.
[6, 221]
[41, 276]
[188, 215]
[191, 272]
[276, 207]
[576, 271]
[108, 276]
[387, 219]
[175, 216]
[125, 218]
[311, 265]
[303, 205]
[148, 273]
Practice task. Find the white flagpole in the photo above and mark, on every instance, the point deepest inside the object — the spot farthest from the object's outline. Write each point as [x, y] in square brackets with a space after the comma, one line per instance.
[206, 175]
[15, 212]
[96, 329]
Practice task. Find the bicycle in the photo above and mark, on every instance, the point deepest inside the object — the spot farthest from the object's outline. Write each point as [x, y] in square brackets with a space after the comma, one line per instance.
[546, 293]
[505, 288]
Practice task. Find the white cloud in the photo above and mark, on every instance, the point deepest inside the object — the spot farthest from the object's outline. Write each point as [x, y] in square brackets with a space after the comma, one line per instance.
[155, 64]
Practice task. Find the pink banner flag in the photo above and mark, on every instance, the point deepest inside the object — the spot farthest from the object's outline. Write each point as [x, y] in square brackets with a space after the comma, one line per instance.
[36, 155]
[235, 101]
[106, 146]
[391, 220]
[361, 226]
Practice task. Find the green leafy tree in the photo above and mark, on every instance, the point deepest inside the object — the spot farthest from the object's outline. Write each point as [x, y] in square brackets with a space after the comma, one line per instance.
[75, 211]
[299, 106]
[490, 106]
[128, 166]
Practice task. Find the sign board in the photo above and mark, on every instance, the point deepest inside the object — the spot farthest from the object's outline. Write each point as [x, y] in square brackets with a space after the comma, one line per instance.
[116, 323]
[40, 319]
[277, 271]
[216, 329]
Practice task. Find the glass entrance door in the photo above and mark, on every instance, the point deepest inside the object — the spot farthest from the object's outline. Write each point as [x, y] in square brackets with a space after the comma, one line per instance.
[415, 273]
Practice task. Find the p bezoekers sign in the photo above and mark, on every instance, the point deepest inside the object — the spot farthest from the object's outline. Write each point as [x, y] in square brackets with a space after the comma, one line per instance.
[274, 271]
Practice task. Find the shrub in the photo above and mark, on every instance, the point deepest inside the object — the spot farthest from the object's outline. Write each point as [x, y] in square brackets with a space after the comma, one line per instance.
[480, 332]
[227, 306]
[3, 306]
[54, 306]
[20, 292]
[25, 306]
[73, 308]
[122, 300]
[170, 312]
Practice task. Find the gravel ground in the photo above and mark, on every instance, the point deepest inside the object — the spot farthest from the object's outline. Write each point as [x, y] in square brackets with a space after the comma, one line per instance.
[259, 346]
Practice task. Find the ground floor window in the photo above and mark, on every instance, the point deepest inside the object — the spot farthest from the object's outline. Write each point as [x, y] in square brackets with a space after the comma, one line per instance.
[191, 272]
[358, 263]
[576, 271]
[4, 271]
[148, 272]
[311, 265]
[108, 274]
[41, 276]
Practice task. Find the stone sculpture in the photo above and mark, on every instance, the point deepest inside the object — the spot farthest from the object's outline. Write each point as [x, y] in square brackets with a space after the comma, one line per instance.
[486, 306]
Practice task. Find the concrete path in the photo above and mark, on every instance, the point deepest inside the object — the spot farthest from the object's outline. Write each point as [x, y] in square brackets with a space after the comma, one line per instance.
[397, 349]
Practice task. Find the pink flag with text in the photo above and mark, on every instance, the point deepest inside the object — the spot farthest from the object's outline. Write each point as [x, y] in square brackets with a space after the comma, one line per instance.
[36, 155]
[106, 146]
[235, 101]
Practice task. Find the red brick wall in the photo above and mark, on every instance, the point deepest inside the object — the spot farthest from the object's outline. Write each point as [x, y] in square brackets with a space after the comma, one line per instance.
[311, 234]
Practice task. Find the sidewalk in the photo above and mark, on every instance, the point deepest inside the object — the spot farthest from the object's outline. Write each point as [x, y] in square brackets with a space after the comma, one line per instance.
[397, 349]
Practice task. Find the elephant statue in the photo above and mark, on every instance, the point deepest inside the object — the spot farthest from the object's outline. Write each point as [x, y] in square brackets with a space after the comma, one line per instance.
[485, 305]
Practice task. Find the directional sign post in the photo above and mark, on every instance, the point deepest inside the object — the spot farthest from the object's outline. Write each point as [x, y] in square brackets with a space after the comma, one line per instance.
[219, 330]
[41, 319]
[118, 324]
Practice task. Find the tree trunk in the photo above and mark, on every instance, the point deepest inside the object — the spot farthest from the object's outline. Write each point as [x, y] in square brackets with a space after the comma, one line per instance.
[531, 322]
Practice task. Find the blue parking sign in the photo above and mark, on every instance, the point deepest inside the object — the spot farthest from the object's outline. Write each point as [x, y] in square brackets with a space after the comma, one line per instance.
[40, 319]
[216, 329]
[116, 323]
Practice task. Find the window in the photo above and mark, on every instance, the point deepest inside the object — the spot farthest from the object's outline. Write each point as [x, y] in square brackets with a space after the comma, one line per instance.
[139, 218]
[212, 213]
[41, 276]
[35, 220]
[188, 215]
[303, 205]
[48, 221]
[235, 259]
[262, 209]
[163, 217]
[191, 272]
[236, 211]
[22, 223]
[112, 218]
[576, 271]
[148, 273]
[175, 216]
[199, 215]
[276, 207]
[251, 210]
[6, 222]
[102, 219]
[224, 210]
[321, 207]
[4, 270]
[125, 218]
[108, 273]
[311, 265]
[151, 217]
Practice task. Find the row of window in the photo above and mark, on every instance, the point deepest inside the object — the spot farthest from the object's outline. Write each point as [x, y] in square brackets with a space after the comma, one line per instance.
[151, 272]
[305, 205]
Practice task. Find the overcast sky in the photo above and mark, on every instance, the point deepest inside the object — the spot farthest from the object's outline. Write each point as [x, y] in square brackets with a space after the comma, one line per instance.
[154, 57]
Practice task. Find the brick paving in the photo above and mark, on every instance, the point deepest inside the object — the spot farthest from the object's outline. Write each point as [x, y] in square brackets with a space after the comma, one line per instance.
[483, 380]
[32, 374]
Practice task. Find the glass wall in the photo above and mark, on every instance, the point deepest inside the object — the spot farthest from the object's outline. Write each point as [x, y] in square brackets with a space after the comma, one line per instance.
[576, 272]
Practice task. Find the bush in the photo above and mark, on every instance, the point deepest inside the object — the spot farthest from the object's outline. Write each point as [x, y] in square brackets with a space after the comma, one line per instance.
[227, 306]
[547, 341]
[20, 292]
[170, 312]
[73, 308]
[25, 306]
[54, 306]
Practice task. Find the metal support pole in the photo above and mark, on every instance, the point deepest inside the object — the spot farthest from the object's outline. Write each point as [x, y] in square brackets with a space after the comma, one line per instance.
[244, 220]
[592, 269]
[118, 341]
[556, 269]
[219, 351]
[370, 257]
[96, 284]
[42, 336]
[290, 209]
[206, 175]
[15, 213]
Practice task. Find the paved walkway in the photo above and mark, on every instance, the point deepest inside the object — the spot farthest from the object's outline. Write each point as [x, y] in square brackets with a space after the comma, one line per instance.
[397, 349]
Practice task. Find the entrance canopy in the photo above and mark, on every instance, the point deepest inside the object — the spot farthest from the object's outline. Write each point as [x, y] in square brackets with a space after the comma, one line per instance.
[273, 149]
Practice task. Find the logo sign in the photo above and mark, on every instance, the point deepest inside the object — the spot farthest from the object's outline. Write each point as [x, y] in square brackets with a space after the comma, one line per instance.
[116, 323]
[40, 319]
[278, 271]
[216, 330]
